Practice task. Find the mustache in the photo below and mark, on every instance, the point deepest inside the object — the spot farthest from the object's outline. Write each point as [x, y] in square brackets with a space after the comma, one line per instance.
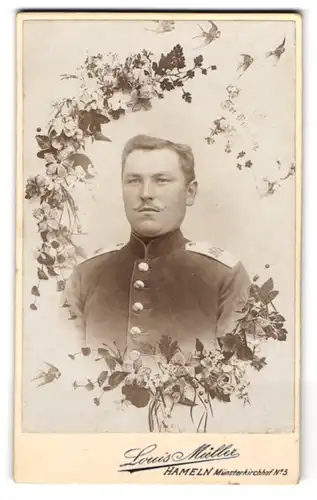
[147, 206]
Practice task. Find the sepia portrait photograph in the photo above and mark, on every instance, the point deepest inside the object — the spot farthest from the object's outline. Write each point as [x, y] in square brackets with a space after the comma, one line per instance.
[159, 202]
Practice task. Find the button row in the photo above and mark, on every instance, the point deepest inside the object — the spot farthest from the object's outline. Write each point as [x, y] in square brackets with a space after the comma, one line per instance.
[138, 306]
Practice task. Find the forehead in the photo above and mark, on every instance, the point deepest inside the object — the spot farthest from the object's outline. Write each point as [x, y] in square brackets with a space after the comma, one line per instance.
[150, 162]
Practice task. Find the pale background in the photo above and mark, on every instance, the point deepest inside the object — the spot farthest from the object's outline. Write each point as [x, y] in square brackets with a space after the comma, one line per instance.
[229, 211]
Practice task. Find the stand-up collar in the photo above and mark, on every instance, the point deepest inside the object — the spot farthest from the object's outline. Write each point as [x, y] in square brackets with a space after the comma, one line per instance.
[156, 247]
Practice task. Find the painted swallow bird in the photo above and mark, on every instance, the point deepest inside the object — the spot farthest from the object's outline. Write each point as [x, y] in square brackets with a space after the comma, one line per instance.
[210, 35]
[48, 376]
[163, 26]
[280, 49]
[245, 64]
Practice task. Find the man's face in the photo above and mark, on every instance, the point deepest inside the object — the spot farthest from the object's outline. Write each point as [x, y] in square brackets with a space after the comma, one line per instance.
[155, 192]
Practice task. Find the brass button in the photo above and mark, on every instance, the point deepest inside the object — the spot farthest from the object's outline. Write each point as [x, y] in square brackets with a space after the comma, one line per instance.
[137, 307]
[143, 266]
[138, 285]
[135, 330]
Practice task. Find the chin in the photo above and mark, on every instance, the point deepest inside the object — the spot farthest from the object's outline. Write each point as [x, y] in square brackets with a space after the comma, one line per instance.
[149, 229]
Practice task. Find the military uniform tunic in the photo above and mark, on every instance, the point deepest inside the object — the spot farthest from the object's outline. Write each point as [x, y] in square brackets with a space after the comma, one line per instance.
[138, 292]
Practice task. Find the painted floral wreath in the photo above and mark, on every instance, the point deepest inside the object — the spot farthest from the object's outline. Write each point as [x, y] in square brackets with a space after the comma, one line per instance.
[109, 89]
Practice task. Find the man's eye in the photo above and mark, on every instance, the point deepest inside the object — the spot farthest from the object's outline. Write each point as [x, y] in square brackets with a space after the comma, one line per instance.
[132, 181]
[162, 180]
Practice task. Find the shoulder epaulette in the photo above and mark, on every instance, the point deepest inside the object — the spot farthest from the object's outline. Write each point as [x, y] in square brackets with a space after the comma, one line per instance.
[212, 252]
[102, 251]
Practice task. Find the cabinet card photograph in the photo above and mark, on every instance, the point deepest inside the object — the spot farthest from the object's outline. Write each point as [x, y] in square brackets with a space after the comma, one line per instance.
[158, 247]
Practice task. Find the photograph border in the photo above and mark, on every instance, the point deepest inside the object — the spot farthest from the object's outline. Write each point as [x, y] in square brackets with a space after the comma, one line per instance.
[85, 459]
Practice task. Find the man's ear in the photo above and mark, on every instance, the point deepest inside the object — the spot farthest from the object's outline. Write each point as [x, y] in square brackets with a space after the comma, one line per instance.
[191, 193]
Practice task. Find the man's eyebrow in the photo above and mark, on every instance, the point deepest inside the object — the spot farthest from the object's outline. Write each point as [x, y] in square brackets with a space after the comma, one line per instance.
[132, 174]
[163, 172]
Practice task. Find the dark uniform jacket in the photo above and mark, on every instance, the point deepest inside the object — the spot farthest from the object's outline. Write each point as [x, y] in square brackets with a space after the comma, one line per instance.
[135, 293]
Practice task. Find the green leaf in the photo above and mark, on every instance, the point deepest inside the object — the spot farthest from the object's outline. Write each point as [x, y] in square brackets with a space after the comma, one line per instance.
[81, 160]
[199, 346]
[138, 396]
[102, 378]
[51, 271]
[71, 356]
[43, 141]
[100, 137]
[80, 252]
[60, 286]
[116, 378]
[51, 150]
[46, 259]
[272, 295]
[266, 288]
[41, 274]
[89, 386]
[33, 307]
[35, 291]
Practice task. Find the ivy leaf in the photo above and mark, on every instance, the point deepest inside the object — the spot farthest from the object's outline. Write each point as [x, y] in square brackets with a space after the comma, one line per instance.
[138, 396]
[102, 378]
[96, 401]
[190, 73]
[178, 83]
[81, 160]
[46, 259]
[33, 307]
[204, 71]
[51, 150]
[100, 137]
[116, 113]
[86, 351]
[35, 291]
[258, 363]
[187, 97]
[51, 271]
[99, 118]
[198, 60]
[116, 378]
[166, 84]
[41, 274]
[279, 317]
[241, 154]
[43, 141]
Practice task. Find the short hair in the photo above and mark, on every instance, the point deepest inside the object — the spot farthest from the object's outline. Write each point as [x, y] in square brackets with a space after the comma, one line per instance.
[185, 153]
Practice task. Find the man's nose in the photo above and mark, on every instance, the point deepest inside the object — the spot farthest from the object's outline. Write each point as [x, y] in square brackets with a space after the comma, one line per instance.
[147, 191]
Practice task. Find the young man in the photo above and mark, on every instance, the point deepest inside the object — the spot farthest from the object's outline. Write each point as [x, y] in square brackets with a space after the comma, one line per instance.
[158, 283]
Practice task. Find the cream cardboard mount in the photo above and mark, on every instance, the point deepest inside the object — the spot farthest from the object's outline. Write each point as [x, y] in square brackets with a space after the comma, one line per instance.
[175, 358]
